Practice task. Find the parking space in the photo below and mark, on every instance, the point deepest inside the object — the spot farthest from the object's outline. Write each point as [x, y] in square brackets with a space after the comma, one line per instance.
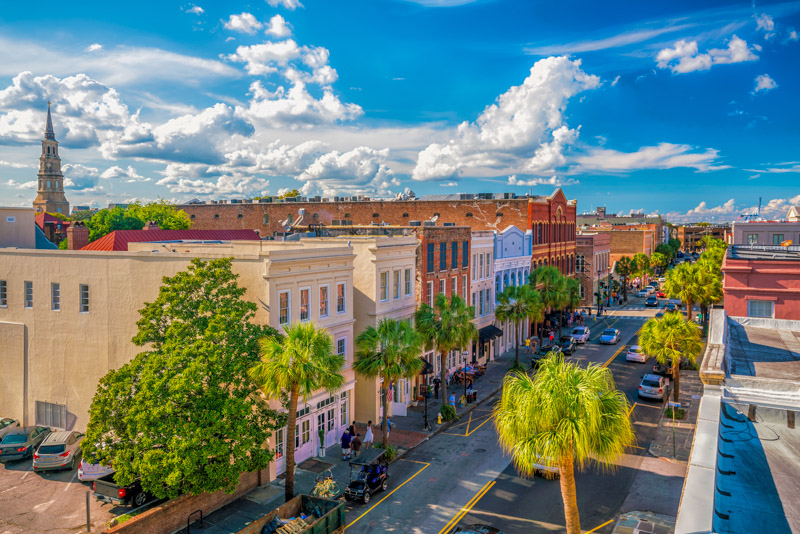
[50, 501]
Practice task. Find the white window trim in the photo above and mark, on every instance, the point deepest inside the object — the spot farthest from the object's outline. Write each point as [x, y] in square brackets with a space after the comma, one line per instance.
[398, 274]
[288, 293]
[328, 307]
[407, 284]
[80, 299]
[25, 294]
[430, 293]
[344, 298]
[344, 339]
[4, 302]
[772, 308]
[380, 287]
[300, 304]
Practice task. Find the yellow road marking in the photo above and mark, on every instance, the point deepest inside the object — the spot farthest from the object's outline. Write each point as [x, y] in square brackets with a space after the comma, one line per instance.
[425, 466]
[488, 418]
[595, 529]
[472, 502]
[611, 359]
[469, 432]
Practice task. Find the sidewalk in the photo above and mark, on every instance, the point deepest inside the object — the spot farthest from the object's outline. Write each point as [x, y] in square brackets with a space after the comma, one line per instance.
[662, 444]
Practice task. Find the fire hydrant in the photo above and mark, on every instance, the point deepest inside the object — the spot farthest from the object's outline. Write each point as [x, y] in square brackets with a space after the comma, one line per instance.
[439, 418]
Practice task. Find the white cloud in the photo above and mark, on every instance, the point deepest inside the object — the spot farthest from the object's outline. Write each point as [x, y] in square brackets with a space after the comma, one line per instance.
[792, 35]
[15, 165]
[764, 83]
[265, 58]
[195, 10]
[775, 208]
[554, 181]
[684, 57]
[448, 184]
[359, 171]
[781, 169]
[127, 175]
[244, 22]
[278, 27]
[615, 81]
[79, 177]
[661, 156]
[766, 24]
[94, 47]
[288, 4]
[13, 184]
[442, 3]
[615, 41]
[204, 180]
[523, 128]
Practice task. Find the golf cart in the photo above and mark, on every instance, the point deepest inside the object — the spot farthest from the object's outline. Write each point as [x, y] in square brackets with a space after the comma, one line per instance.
[369, 473]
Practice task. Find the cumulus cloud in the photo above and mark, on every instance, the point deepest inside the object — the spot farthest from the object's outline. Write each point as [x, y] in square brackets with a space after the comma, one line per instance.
[195, 10]
[278, 27]
[291, 5]
[764, 83]
[661, 156]
[243, 22]
[766, 24]
[554, 181]
[79, 177]
[685, 57]
[361, 170]
[524, 127]
[127, 175]
[13, 184]
[775, 208]
[94, 47]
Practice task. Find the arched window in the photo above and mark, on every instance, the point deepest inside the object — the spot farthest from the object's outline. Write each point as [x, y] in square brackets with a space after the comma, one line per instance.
[48, 184]
[48, 151]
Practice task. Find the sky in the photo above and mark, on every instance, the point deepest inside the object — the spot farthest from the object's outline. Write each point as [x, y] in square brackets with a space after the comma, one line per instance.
[686, 109]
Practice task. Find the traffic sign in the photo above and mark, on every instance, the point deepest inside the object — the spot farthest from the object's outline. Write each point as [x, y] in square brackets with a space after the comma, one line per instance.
[674, 404]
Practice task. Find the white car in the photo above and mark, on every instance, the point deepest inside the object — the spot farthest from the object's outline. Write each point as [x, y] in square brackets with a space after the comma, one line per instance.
[662, 280]
[644, 293]
[581, 334]
[90, 471]
[635, 354]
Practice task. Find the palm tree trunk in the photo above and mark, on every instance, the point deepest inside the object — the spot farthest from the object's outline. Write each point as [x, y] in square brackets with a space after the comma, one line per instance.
[688, 309]
[676, 378]
[568, 494]
[443, 377]
[385, 401]
[291, 432]
[519, 340]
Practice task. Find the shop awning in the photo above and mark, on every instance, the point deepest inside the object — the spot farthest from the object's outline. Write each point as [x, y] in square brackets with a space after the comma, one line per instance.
[489, 332]
[427, 368]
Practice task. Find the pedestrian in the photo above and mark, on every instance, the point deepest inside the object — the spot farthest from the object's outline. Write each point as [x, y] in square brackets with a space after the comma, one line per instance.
[436, 384]
[452, 400]
[368, 437]
[552, 335]
[388, 427]
[352, 429]
[346, 445]
[355, 444]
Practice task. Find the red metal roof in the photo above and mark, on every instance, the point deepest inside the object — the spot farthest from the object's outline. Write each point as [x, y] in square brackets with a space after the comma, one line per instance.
[119, 239]
[42, 218]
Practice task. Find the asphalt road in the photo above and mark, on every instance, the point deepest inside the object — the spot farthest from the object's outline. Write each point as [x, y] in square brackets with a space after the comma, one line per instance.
[463, 477]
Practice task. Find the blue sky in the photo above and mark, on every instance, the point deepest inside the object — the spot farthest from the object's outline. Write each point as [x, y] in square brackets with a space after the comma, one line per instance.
[682, 109]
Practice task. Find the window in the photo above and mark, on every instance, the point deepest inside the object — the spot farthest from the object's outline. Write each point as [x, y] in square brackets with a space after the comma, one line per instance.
[442, 256]
[465, 254]
[430, 294]
[430, 257]
[343, 409]
[752, 239]
[55, 296]
[488, 264]
[266, 219]
[3, 294]
[52, 415]
[384, 295]
[443, 286]
[306, 431]
[777, 239]
[84, 296]
[296, 436]
[283, 307]
[482, 299]
[396, 285]
[760, 308]
[464, 286]
[323, 301]
[280, 437]
[340, 303]
[475, 303]
[579, 264]
[341, 349]
[407, 288]
[331, 420]
[28, 294]
[454, 286]
[454, 255]
[304, 297]
[474, 266]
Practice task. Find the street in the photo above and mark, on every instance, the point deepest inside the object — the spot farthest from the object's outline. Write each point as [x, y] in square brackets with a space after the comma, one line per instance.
[462, 477]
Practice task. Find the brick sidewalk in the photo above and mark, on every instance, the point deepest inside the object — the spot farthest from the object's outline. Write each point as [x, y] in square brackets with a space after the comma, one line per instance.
[662, 444]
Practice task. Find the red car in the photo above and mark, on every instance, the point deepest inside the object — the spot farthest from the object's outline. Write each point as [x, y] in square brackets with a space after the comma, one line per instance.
[661, 294]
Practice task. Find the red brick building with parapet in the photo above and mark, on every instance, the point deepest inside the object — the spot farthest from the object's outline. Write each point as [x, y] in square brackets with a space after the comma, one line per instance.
[550, 218]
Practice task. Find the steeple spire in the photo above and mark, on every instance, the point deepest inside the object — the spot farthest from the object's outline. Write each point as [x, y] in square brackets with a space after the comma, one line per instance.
[49, 133]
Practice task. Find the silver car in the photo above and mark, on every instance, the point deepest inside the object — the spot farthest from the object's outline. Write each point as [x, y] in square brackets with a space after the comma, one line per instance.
[21, 442]
[59, 450]
[7, 425]
[653, 387]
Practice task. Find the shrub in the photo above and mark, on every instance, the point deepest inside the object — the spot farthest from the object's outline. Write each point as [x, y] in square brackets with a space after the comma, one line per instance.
[391, 451]
[449, 413]
[679, 413]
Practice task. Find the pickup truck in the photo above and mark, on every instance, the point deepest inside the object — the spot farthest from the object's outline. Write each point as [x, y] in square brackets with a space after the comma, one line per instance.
[106, 489]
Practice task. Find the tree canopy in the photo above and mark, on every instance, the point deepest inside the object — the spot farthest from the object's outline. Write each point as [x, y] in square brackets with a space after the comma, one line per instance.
[135, 216]
[183, 415]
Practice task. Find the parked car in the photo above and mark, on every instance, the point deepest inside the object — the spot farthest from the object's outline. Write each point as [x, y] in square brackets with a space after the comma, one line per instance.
[670, 307]
[635, 354]
[59, 450]
[660, 294]
[106, 489]
[7, 425]
[567, 344]
[675, 302]
[610, 336]
[651, 302]
[666, 370]
[91, 469]
[661, 280]
[659, 315]
[542, 353]
[653, 387]
[643, 293]
[581, 334]
[21, 442]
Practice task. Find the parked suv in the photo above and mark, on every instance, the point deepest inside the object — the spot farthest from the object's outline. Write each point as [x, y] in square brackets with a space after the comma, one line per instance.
[59, 450]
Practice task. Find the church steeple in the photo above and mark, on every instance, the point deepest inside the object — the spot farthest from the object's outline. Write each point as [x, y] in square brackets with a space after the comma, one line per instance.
[49, 133]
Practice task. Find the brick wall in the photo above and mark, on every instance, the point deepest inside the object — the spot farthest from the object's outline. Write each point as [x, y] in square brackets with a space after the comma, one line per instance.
[172, 515]
[628, 242]
[436, 235]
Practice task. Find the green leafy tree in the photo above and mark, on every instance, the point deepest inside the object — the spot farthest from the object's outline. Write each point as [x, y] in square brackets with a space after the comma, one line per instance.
[641, 267]
[135, 216]
[183, 415]
[292, 367]
[675, 244]
[517, 304]
[389, 350]
[445, 327]
[566, 416]
[623, 267]
[82, 215]
[667, 251]
[669, 339]
[659, 261]
[289, 194]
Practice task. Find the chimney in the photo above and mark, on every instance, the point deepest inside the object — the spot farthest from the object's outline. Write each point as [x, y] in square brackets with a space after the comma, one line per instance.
[151, 225]
[50, 231]
[77, 236]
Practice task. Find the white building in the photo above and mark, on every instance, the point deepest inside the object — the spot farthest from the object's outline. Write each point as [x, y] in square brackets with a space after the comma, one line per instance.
[482, 289]
[512, 265]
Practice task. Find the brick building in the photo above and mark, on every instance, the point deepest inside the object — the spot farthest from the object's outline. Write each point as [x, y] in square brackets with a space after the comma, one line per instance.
[550, 218]
[593, 264]
[690, 235]
[628, 240]
[600, 217]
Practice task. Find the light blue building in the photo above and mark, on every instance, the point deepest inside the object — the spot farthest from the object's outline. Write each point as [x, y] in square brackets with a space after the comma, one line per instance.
[512, 265]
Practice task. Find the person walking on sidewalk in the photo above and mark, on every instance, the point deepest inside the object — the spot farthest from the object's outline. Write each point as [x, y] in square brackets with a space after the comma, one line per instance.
[352, 429]
[346, 445]
[368, 437]
[355, 444]
[436, 384]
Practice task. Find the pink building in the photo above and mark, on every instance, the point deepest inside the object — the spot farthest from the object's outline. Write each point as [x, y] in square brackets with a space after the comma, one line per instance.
[766, 232]
[592, 264]
[762, 281]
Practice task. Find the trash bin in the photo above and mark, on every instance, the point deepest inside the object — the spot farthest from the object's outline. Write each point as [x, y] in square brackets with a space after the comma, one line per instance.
[473, 397]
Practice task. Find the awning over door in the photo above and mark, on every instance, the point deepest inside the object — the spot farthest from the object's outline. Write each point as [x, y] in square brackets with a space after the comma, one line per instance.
[489, 332]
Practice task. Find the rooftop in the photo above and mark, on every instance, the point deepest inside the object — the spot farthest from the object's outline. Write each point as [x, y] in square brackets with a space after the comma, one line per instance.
[764, 252]
[118, 240]
[764, 352]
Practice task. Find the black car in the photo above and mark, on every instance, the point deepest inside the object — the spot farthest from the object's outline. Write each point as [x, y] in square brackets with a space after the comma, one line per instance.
[542, 353]
[567, 344]
[651, 302]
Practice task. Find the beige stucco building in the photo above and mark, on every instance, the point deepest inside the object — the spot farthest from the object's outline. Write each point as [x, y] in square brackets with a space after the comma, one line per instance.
[17, 227]
[67, 318]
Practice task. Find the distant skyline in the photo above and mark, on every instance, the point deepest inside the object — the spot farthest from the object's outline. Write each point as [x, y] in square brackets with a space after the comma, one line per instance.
[683, 110]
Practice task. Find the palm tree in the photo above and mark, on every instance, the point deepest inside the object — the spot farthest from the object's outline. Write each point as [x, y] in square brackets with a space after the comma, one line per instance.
[641, 266]
[573, 289]
[446, 327]
[296, 366]
[669, 339]
[391, 351]
[551, 285]
[623, 268]
[659, 261]
[516, 304]
[565, 416]
[682, 283]
[708, 283]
